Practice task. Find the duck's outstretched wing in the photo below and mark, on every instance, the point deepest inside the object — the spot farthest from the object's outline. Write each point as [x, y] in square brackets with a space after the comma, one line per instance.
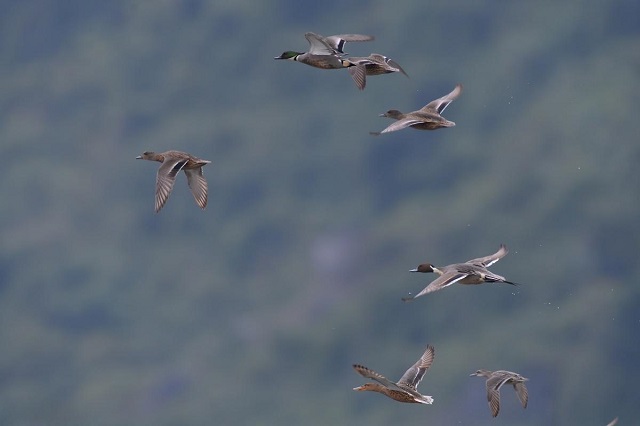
[440, 104]
[370, 374]
[523, 394]
[444, 280]
[318, 45]
[198, 185]
[493, 397]
[337, 42]
[412, 377]
[487, 261]
[359, 75]
[403, 123]
[376, 57]
[165, 179]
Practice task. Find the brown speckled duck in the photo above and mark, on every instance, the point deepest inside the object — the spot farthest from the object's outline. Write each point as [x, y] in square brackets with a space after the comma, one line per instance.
[495, 380]
[172, 163]
[374, 64]
[405, 390]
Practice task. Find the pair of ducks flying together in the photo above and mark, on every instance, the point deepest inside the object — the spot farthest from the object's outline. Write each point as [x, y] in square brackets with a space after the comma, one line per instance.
[406, 389]
[472, 271]
[426, 118]
[328, 53]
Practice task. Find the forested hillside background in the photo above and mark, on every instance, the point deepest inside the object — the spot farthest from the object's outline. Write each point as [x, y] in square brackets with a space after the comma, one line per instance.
[252, 312]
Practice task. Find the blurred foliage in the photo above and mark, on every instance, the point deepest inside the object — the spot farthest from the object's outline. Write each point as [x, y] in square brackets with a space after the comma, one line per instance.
[253, 311]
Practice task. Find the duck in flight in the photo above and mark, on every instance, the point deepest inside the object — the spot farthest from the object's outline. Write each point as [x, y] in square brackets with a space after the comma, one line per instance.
[472, 271]
[495, 380]
[406, 389]
[374, 64]
[429, 117]
[172, 163]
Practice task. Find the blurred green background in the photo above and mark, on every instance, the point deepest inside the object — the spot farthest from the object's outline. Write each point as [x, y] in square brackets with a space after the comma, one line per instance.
[253, 311]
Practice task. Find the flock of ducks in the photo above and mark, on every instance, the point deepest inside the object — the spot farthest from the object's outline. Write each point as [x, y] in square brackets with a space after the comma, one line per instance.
[472, 271]
[328, 53]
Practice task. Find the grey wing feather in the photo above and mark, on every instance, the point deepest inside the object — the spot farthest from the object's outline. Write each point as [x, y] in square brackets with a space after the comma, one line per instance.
[414, 374]
[165, 179]
[352, 37]
[397, 65]
[445, 280]
[318, 45]
[487, 261]
[523, 394]
[338, 41]
[442, 103]
[401, 124]
[493, 396]
[359, 75]
[198, 185]
[494, 383]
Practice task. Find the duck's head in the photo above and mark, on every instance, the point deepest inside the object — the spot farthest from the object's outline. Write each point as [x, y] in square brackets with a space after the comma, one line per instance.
[424, 267]
[368, 387]
[289, 54]
[147, 155]
[392, 113]
[483, 373]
